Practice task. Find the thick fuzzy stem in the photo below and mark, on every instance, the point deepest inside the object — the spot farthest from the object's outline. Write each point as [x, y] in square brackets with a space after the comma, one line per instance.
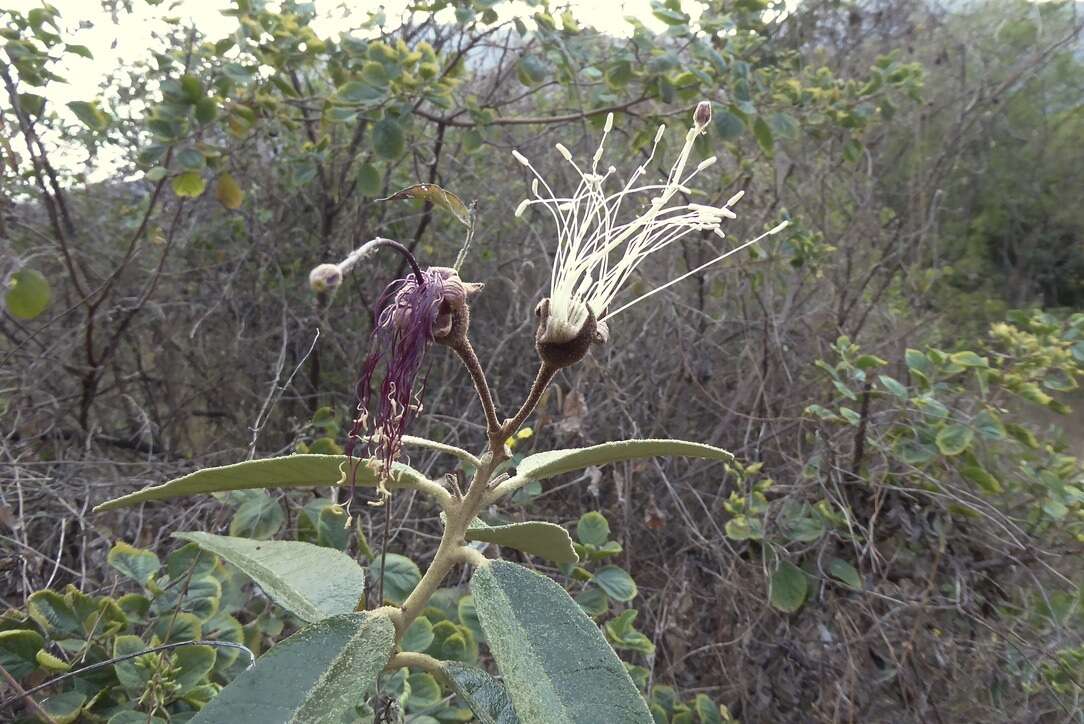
[462, 347]
[546, 372]
[458, 516]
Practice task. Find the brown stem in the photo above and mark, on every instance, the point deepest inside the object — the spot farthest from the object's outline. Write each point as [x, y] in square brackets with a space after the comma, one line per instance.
[546, 371]
[465, 350]
[380, 241]
[30, 703]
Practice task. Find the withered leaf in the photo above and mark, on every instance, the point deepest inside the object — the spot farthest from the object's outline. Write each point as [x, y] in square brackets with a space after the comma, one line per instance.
[437, 196]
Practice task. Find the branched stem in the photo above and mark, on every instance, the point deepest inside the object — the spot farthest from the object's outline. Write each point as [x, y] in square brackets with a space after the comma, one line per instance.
[458, 514]
[460, 509]
[425, 662]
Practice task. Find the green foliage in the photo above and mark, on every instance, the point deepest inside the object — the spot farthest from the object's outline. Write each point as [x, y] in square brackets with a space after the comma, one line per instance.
[548, 464]
[190, 597]
[290, 471]
[545, 540]
[935, 441]
[309, 581]
[28, 294]
[318, 674]
[555, 662]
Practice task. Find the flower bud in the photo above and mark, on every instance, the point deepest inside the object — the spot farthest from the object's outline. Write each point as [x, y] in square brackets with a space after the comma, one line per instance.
[453, 317]
[702, 116]
[325, 278]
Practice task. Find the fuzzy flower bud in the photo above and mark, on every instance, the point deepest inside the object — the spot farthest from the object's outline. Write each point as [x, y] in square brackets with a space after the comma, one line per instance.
[453, 314]
[325, 278]
[702, 116]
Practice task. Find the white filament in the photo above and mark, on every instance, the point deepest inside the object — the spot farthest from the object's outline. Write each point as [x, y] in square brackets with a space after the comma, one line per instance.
[597, 253]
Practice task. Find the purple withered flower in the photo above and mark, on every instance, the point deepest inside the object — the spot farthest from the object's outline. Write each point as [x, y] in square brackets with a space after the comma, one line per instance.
[422, 308]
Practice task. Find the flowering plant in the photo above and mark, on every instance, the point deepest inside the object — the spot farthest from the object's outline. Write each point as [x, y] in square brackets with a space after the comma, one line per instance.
[555, 663]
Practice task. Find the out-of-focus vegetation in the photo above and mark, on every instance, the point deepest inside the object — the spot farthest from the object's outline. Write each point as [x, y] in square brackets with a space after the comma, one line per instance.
[895, 372]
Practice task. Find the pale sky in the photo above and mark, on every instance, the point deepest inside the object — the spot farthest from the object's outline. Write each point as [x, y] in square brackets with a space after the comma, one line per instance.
[129, 39]
[130, 36]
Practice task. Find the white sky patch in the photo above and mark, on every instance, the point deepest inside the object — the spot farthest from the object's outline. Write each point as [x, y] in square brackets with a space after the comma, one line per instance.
[129, 37]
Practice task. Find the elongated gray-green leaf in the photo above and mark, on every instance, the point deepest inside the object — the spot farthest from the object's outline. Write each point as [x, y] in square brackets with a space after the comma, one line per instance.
[290, 471]
[441, 447]
[486, 697]
[547, 464]
[312, 582]
[538, 538]
[317, 675]
[556, 665]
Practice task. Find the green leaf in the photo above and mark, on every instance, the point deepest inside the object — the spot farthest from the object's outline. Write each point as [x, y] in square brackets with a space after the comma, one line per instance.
[90, 114]
[763, 133]
[28, 294]
[425, 692]
[623, 634]
[18, 651]
[188, 184]
[869, 361]
[893, 386]
[64, 708]
[556, 664]
[32, 103]
[707, 710]
[844, 572]
[191, 159]
[436, 196]
[374, 74]
[954, 439]
[291, 471]
[783, 125]
[358, 92]
[547, 464]
[80, 50]
[419, 636]
[593, 601]
[132, 673]
[400, 576]
[318, 674]
[206, 109]
[49, 662]
[530, 70]
[593, 529]
[538, 538]
[982, 478]
[309, 581]
[331, 528]
[468, 616]
[742, 527]
[368, 180]
[195, 663]
[228, 193]
[968, 359]
[727, 126]
[260, 516]
[136, 563]
[616, 582]
[54, 614]
[486, 697]
[388, 139]
[1022, 435]
[789, 587]
[156, 174]
[128, 716]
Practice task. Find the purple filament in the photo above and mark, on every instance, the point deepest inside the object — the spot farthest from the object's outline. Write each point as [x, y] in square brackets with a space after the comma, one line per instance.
[403, 333]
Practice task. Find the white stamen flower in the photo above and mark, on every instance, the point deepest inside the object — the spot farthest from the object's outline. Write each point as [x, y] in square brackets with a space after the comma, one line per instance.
[597, 252]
